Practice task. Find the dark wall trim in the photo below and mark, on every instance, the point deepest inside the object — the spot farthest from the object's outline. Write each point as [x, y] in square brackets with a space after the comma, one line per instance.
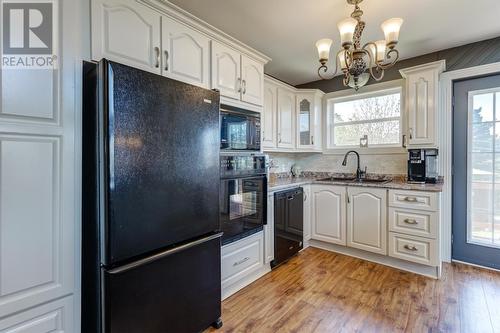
[469, 55]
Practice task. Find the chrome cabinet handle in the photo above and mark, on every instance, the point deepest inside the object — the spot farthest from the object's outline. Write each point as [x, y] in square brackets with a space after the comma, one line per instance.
[166, 60]
[241, 261]
[410, 199]
[244, 86]
[410, 221]
[157, 52]
[312, 140]
[239, 84]
[411, 133]
[404, 141]
[410, 248]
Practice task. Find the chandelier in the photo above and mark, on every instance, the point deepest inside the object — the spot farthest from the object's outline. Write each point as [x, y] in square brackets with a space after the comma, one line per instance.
[353, 60]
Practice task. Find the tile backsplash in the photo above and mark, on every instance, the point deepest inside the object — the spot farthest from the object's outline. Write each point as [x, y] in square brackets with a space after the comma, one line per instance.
[381, 164]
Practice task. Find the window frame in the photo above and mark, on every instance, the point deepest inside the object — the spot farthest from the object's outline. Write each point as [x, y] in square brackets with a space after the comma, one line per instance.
[373, 90]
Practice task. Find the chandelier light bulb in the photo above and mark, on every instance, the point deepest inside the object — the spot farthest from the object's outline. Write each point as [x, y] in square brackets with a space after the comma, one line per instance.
[346, 29]
[323, 46]
[391, 29]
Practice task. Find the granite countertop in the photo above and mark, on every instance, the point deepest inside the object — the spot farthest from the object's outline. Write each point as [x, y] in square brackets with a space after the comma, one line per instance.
[398, 182]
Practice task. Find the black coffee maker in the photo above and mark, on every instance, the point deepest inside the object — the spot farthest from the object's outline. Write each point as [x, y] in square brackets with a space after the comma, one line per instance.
[422, 165]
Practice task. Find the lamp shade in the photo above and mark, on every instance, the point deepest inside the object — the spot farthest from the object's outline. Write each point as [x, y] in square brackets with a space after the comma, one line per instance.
[342, 60]
[346, 29]
[391, 29]
[324, 46]
[381, 47]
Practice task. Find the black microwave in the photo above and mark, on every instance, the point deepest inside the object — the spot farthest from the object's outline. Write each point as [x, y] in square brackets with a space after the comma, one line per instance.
[239, 130]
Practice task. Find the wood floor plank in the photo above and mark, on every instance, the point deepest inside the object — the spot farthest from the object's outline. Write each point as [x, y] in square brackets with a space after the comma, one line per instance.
[321, 291]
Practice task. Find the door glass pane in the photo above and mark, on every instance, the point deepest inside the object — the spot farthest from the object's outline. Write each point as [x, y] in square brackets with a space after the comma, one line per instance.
[484, 169]
[305, 122]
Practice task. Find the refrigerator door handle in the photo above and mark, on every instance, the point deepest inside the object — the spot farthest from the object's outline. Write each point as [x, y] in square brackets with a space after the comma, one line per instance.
[163, 254]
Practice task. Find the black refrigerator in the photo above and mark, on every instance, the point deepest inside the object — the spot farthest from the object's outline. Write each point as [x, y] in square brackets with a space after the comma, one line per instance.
[150, 210]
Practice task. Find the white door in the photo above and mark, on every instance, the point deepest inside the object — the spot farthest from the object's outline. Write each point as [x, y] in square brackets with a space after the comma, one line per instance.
[286, 119]
[269, 117]
[186, 53]
[226, 71]
[328, 213]
[126, 32]
[39, 186]
[367, 219]
[252, 80]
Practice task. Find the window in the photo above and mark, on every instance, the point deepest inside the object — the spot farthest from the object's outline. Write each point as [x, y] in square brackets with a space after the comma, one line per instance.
[377, 115]
[484, 168]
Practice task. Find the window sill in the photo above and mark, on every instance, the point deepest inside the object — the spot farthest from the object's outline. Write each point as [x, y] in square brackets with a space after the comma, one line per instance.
[366, 151]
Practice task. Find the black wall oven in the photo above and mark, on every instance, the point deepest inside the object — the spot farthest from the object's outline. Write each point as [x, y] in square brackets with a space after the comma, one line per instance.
[240, 130]
[243, 195]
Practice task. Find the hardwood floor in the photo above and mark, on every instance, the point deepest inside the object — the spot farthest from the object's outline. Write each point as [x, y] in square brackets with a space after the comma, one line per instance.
[320, 291]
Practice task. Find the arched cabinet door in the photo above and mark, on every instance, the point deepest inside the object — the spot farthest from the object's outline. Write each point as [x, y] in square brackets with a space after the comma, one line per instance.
[185, 54]
[252, 76]
[328, 214]
[226, 71]
[367, 219]
[112, 20]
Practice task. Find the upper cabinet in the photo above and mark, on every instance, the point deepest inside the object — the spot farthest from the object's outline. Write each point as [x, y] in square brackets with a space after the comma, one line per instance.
[126, 32]
[269, 116]
[186, 53]
[286, 119]
[166, 42]
[291, 118]
[237, 76]
[422, 98]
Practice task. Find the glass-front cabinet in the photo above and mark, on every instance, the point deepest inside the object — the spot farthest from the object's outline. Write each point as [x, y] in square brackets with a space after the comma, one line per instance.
[308, 121]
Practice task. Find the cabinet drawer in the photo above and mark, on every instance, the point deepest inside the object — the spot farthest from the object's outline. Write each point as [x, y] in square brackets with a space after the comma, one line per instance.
[241, 258]
[412, 222]
[411, 248]
[414, 200]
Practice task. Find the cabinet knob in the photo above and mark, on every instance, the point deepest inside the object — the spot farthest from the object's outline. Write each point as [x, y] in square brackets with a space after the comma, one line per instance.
[237, 263]
[410, 199]
[410, 221]
[410, 248]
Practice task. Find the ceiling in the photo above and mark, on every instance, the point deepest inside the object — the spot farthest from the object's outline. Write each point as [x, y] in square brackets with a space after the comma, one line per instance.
[286, 30]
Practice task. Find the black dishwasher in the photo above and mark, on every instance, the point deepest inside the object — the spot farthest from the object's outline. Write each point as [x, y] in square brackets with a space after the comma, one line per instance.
[288, 224]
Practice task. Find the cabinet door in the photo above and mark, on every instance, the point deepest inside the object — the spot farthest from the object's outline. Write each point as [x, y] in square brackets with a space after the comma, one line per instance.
[422, 103]
[307, 215]
[286, 119]
[269, 230]
[252, 80]
[226, 71]
[126, 32]
[367, 219]
[328, 214]
[186, 53]
[305, 122]
[269, 117]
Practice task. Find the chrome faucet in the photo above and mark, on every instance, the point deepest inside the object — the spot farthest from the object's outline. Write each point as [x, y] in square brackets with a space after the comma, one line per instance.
[359, 173]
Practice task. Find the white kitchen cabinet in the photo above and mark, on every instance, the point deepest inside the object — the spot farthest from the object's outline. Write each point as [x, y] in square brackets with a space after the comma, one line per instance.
[307, 215]
[269, 230]
[328, 216]
[252, 80]
[237, 76]
[269, 117]
[185, 53]
[422, 102]
[367, 219]
[308, 120]
[226, 70]
[286, 119]
[126, 32]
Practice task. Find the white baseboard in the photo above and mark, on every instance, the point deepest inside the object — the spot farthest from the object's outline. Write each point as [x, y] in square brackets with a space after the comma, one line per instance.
[429, 271]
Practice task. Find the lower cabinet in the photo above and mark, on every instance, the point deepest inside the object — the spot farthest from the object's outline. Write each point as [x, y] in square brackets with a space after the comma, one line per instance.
[328, 214]
[242, 263]
[269, 230]
[56, 316]
[367, 219]
[307, 215]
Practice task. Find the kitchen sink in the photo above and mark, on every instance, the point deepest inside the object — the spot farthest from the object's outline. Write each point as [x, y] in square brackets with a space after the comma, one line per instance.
[354, 180]
[337, 179]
